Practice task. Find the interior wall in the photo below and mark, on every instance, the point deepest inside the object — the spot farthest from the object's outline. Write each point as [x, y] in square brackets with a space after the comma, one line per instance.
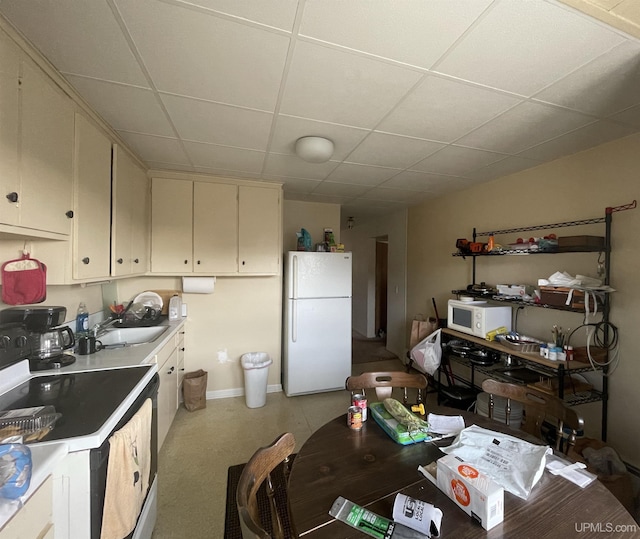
[242, 315]
[572, 188]
[361, 241]
[314, 217]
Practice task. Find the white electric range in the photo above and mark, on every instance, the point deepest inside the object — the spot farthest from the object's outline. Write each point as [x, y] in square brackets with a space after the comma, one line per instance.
[93, 404]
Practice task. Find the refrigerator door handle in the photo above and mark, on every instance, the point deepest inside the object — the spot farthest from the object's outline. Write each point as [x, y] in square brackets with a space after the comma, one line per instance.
[294, 317]
[294, 275]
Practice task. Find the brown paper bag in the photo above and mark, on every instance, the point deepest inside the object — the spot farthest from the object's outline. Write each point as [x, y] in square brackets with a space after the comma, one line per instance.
[421, 329]
[194, 390]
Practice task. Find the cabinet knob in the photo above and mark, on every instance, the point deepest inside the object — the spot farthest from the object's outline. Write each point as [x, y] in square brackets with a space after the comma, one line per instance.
[86, 260]
[182, 369]
[198, 262]
[12, 197]
[69, 214]
[243, 262]
[182, 349]
[171, 370]
[137, 260]
[120, 261]
[186, 261]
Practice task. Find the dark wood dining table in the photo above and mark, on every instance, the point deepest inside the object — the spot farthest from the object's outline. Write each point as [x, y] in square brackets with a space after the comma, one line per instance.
[368, 468]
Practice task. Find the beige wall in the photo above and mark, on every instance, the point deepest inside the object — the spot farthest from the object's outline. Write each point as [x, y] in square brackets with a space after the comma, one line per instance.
[576, 187]
[313, 217]
[361, 240]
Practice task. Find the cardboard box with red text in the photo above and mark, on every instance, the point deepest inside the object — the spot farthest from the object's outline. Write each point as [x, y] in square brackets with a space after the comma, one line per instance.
[475, 493]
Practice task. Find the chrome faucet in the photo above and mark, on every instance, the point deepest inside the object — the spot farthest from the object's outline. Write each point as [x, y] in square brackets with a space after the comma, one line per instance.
[101, 327]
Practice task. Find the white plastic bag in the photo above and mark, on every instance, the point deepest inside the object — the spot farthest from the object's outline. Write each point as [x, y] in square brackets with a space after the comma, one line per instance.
[428, 353]
[514, 464]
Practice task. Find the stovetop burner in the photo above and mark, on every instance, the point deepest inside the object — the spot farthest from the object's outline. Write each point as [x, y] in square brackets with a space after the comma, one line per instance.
[56, 362]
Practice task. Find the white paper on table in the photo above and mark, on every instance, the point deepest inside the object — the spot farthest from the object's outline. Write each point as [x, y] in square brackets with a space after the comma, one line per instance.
[445, 424]
[573, 472]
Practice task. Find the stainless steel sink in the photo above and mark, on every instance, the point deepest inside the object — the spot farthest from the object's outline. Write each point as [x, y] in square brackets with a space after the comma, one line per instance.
[131, 336]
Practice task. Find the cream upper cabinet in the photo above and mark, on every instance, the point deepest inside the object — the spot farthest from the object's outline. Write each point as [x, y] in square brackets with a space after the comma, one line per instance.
[9, 130]
[130, 216]
[46, 154]
[259, 231]
[171, 226]
[36, 154]
[92, 202]
[214, 228]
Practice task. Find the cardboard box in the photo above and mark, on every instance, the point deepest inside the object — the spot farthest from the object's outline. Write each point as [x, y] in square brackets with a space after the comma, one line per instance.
[475, 493]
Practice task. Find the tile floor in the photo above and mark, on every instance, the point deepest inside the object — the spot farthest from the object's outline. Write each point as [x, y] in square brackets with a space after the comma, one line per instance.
[201, 445]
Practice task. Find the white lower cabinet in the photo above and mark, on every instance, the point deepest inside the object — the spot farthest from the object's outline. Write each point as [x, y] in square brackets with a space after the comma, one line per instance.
[34, 520]
[167, 396]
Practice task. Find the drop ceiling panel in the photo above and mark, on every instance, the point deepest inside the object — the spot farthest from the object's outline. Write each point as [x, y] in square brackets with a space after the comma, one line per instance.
[524, 126]
[343, 88]
[607, 85]
[127, 108]
[193, 54]
[224, 157]
[524, 46]
[292, 166]
[340, 189]
[276, 13]
[457, 160]
[159, 149]
[428, 28]
[77, 37]
[631, 116]
[444, 110]
[392, 151]
[418, 181]
[507, 166]
[586, 137]
[361, 174]
[204, 121]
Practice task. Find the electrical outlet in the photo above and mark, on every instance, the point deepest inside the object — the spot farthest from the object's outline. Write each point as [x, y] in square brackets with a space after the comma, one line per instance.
[600, 269]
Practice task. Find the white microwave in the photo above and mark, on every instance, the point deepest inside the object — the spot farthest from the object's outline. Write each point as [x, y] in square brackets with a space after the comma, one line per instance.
[477, 317]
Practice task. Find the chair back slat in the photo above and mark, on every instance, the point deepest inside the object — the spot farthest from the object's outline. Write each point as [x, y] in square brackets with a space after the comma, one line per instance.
[256, 472]
[538, 407]
[384, 382]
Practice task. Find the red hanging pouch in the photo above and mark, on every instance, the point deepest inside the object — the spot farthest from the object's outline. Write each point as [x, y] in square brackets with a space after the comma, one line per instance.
[24, 281]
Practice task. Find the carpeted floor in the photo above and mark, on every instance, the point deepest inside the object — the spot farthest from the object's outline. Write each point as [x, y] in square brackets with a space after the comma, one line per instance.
[365, 350]
[232, 522]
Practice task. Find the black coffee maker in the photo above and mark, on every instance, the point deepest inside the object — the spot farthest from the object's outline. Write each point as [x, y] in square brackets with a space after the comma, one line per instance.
[48, 340]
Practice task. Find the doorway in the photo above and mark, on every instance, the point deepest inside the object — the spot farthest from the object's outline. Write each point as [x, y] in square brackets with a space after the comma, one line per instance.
[382, 253]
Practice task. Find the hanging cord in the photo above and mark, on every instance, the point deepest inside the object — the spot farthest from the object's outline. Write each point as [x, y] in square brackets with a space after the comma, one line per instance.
[596, 337]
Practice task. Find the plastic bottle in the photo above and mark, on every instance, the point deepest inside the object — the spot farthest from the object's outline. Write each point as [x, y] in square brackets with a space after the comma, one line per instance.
[82, 319]
[175, 308]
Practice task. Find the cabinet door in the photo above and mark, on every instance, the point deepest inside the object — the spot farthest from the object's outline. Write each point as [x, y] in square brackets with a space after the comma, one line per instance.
[215, 227]
[259, 230]
[46, 154]
[121, 213]
[171, 226]
[92, 204]
[140, 227]
[167, 395]
[9, 102]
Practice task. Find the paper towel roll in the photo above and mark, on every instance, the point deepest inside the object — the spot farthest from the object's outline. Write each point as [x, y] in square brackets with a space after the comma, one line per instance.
[198, 285]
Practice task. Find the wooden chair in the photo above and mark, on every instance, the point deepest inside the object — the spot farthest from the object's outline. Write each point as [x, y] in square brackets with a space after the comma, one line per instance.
[384, 382]
[537, 406]
[255, 472]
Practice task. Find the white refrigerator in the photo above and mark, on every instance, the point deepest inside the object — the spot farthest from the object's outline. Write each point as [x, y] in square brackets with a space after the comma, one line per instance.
[317, 322]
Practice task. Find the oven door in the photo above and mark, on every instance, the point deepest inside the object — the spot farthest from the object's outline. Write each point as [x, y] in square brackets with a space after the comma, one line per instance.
[99, 459]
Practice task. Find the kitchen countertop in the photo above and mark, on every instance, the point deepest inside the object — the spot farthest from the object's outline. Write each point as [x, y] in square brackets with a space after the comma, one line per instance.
[46, 457]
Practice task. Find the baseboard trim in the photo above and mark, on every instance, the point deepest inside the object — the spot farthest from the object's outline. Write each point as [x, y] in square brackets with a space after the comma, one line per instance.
[238, 392]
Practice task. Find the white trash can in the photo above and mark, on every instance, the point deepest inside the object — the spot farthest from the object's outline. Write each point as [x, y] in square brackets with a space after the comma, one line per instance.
[256, 371]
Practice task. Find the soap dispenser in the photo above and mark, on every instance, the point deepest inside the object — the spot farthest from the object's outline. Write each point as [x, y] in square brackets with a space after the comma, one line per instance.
[175, 308]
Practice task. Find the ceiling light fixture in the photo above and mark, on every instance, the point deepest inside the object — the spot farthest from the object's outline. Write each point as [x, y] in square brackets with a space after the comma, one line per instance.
[314, 149]
[350, 222]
